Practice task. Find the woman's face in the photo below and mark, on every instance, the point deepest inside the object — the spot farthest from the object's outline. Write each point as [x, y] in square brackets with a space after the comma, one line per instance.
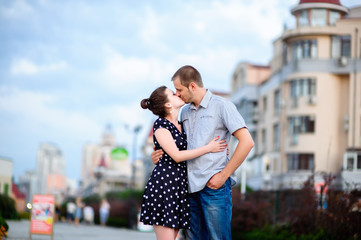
[173, 99]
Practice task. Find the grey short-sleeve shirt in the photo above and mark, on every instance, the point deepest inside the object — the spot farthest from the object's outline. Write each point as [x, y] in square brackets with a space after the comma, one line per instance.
[215, 116]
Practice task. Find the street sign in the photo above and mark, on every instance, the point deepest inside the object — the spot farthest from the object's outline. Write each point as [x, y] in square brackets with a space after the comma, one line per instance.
[42, 215]
[119, 153]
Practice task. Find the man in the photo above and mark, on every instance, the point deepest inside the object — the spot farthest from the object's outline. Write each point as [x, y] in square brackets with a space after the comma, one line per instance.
[70, 211]
[210, 176]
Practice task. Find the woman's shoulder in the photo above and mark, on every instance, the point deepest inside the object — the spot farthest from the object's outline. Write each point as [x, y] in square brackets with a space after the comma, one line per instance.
[160, 122]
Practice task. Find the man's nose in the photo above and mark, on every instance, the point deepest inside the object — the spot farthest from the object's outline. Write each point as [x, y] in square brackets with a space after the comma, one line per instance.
[178, 94]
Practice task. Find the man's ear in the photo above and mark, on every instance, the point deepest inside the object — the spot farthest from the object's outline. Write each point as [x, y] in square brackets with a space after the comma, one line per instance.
[192, 86]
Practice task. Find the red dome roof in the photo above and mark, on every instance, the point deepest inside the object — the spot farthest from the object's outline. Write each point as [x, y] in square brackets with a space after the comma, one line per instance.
[321, 1]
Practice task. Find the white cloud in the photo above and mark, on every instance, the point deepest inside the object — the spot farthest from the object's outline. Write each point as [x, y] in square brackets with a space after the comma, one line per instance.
[150, 30]
[26, 67]
[18, 9]
[127, 73]
[36, 110]
[259, 18]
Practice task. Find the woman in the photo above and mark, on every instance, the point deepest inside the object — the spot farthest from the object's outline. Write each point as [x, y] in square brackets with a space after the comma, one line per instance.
[104, 211]
[165, 202]
[78, 212]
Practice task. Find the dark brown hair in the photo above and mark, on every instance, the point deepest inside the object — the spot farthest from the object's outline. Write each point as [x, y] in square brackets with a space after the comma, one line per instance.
[188, 74]
[156, 101]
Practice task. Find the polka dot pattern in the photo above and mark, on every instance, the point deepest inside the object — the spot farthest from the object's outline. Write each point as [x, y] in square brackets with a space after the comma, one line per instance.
[165, 199]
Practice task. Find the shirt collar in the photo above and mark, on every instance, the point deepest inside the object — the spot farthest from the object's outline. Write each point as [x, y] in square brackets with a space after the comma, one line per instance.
[205, 100]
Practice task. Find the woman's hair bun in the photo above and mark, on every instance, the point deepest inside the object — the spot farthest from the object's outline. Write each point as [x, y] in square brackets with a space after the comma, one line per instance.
[145, 103]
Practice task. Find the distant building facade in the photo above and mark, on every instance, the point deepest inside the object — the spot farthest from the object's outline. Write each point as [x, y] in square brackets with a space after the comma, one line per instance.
[50, 172]
[19, 198]
[28, 184]
[102, 171]
[306, 116]
[6, 174]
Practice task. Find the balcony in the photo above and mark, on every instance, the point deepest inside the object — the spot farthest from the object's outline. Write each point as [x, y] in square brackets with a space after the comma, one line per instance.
[341, 65]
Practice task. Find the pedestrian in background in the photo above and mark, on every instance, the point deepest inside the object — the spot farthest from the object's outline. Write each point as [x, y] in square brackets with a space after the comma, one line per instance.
[104, 211]
[88, 214]
[70, 211]
[78, 211]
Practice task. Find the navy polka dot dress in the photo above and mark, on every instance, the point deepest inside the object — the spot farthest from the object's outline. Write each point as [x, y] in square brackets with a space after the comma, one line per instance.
[165, 199]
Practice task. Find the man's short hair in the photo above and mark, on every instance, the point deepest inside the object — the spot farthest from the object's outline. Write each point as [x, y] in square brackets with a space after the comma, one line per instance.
[188, 74]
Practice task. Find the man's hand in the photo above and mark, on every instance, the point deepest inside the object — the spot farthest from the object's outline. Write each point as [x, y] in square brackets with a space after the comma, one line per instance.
[217, 180]
[156, 155]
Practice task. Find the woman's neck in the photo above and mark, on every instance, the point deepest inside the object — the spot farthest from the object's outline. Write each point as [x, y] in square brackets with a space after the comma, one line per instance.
[173, 116]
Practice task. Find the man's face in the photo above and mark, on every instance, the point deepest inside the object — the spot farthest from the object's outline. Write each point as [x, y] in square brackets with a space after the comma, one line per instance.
[183, 92]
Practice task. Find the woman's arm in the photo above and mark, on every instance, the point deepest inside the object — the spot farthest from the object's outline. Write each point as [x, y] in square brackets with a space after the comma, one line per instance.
[166, 141]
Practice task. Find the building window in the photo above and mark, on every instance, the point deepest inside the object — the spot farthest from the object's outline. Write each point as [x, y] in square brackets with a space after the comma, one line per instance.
[263, 140]
[253, 111]
[277, 102]
[276, 136]
[254, 137]
[243, 77]
[319, 17]
[285, 54]
[302, 87]
[341, 46]
[303, 18]
[352, 161]
[304, 49]
[301, 124]
[300, 161]
[334, 17]
[265, 103]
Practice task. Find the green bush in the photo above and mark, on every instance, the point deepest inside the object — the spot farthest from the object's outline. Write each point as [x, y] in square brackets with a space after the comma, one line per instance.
[117, 222]
[7, 207]
[3, 223]
[92, 199]
[123, 195]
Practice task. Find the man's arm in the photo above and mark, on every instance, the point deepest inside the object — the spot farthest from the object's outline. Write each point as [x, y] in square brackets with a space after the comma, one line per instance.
[244, 146]
[156, 155]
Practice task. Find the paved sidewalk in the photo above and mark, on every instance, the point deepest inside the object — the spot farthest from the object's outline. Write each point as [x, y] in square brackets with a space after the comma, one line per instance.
[19, 230]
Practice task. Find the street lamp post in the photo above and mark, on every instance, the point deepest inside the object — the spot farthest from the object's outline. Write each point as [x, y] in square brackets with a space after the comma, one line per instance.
[133, 216]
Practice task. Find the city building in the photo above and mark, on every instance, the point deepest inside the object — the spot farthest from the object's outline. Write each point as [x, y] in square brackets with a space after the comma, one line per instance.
[245, 82]
[6, 174]
[306, 116]
[19, 198]
[106, 167]
[28, 184]
[50, 172]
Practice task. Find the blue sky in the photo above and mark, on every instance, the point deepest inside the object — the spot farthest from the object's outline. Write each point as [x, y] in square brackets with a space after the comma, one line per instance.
[69, 68]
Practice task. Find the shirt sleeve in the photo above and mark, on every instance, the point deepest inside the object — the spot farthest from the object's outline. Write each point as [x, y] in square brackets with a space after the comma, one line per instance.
[231, 117]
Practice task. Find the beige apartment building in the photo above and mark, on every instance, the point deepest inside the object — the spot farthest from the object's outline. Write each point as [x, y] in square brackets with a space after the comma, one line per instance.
[306, 116]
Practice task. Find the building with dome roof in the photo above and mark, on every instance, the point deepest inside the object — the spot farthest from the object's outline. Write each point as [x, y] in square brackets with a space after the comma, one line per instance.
[306, 115]
[106, 167]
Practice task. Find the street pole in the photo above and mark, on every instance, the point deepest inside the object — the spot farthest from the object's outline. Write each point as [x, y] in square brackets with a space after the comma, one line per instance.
[133, 216]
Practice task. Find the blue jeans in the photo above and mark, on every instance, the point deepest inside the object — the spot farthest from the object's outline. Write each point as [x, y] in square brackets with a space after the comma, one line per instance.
[104, 217]
[211, 213]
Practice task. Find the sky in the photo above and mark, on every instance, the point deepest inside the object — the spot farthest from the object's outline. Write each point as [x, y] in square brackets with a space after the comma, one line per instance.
[70, 68]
